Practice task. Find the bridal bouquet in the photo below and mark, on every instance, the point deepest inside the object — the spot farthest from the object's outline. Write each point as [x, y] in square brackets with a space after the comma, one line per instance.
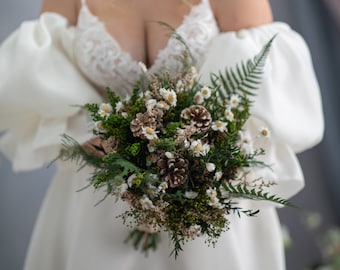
[176, 151]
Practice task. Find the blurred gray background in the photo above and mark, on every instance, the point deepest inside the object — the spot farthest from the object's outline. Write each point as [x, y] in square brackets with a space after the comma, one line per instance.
[21, 194]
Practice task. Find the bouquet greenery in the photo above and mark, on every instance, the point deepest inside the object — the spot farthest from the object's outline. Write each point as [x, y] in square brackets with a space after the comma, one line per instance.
[174, 151]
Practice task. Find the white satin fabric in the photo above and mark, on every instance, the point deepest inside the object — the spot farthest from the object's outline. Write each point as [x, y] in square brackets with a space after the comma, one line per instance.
[39, 83]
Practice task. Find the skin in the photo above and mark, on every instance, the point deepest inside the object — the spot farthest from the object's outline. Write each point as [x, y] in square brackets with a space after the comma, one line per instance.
[142, 37]
[138, 17]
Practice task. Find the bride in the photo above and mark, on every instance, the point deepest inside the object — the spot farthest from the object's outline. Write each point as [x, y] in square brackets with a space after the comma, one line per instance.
[78, 47]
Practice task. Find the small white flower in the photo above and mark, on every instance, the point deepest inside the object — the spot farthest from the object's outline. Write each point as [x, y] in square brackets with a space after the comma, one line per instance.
[229, 115]
[125, 114]
[105, 109]
[199, 149]
[119, 106]
[146, 203]
[163, 187]
[206, 92]
[194, 71]
[152, 146]
[179, 86]
[210, 166]
[219, 126]
[169, 155]
[245, 142]
[150, 104]
[149, 133]
[163, 105]
[234, 101]
[211, 192]
[198, 98]
[264, 132]
[132, 180]
[218, 175]
[99, 126]
[169, 96]
[143, 66]
[190, 194]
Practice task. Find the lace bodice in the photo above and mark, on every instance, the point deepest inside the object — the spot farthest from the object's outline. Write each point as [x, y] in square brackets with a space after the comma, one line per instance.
[105, 64]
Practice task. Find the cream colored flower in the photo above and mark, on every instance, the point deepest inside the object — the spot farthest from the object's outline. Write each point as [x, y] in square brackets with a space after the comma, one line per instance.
[229, 115]
[219, 126]
[149, 133]
[234, 101]
[123, 188]
[218, 175]
[105, 109]
[180, 86]
[150, 104]
[132, 180]
[264, 132]
[198, 98]
[99, 126]
[119, 106]
[163, 187]
[152, 146]
[245, 142]
[169, 96]
[210, 166]
[206, 92]
[199, 149]
[163, 105]
[190, 194]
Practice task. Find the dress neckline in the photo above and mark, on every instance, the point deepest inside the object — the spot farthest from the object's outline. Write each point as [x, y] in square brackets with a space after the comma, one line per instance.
[95, 19]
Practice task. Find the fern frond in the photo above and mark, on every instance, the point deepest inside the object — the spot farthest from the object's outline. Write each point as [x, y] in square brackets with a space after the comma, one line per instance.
[242, 191]
[246, 77]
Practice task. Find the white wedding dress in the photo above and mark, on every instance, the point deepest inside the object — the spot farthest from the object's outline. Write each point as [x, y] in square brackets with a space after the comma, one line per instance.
[46, 67]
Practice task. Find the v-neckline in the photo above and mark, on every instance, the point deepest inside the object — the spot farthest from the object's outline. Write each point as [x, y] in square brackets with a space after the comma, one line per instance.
[127, 54]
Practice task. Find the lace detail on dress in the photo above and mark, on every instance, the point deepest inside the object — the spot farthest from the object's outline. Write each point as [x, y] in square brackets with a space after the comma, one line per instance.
[105, 64]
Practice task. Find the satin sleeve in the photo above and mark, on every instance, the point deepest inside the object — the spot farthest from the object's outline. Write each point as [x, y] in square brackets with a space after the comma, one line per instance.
[40, 90]
[288, 100]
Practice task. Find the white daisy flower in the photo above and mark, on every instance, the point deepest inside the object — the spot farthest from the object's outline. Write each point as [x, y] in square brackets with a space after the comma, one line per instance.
[105, 109]
[198, 98]
[163, 105]
[234, 101]
[199, 149]
[219, 126]
[169, 96]
[99, 126]
[150, 104]
[210, 166]
[119, 106]
[245, 142]
[179, 86]
[211, 192]
[152, 146]
[218, 175]
[149, 133]
[190, 194]
[206, 92]
[264, 132]
[163, 187]
[132, 180]
[229, 115]
[146, 203]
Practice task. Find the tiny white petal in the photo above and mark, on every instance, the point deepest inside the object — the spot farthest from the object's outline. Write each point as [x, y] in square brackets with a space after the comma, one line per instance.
[210, 166]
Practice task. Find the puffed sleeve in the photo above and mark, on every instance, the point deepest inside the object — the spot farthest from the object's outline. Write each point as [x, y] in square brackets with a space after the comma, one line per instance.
[287, 102]
[40, 87]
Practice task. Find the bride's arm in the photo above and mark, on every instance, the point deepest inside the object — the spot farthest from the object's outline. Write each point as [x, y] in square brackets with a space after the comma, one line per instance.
[233, 15]
[67, 8]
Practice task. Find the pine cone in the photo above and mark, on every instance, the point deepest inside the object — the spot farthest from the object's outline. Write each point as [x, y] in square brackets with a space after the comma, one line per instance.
[197, 116]
[174, 169]
[142, 120]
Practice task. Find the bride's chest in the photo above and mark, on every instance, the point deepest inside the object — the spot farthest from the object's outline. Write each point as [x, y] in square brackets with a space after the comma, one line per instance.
[108, 63]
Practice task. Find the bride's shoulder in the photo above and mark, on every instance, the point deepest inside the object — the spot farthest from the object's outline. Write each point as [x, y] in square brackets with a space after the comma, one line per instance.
[68, 8]
[233, 15]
